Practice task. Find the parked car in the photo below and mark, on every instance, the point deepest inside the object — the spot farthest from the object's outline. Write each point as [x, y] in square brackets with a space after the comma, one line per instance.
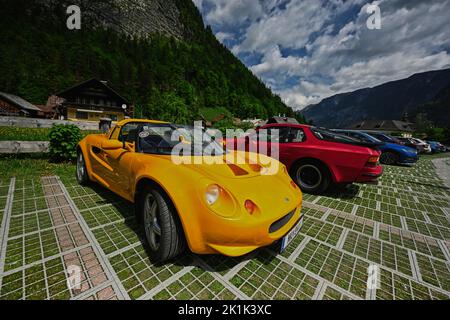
[316, 157]
[391, 153]
[436, 146]
[214, 208]
[423, 147]
[408, 142]
[386, 138]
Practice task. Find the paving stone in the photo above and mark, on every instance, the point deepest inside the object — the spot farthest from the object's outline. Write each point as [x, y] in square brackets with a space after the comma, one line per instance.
[400, 226]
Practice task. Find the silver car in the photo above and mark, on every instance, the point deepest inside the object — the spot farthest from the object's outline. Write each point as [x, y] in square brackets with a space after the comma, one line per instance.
[422, 146]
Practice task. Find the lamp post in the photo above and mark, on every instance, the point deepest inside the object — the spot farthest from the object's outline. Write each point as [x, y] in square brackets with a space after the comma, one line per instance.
[124, 107]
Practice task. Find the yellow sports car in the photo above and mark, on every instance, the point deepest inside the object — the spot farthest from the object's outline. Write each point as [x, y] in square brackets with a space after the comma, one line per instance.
[223, 208]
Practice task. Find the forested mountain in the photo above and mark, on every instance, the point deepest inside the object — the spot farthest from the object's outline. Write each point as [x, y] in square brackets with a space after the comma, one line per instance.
[156, 53]
[389, 101]
[438, 110]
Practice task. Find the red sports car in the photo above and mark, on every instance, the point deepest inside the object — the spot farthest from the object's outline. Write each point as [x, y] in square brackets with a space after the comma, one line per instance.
[316, 157]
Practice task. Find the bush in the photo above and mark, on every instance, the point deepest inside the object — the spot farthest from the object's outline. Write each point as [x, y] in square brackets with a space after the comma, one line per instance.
[63, 142]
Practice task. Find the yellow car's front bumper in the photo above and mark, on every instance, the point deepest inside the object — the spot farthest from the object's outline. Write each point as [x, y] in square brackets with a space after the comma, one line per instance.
[239, 237]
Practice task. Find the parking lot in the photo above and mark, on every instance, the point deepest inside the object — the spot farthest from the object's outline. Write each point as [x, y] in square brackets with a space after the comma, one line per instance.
[399, 228]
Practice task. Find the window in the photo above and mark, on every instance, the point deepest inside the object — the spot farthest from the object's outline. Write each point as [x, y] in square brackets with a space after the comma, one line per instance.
[115, 133]
[324, 134]
[286, 135]
[159, 139]
[296, 135]
[82, 115]
[276, 134]
[129, 132]
[359, 137]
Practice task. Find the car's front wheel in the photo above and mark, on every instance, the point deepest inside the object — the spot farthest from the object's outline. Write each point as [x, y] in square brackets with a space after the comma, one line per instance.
[162, 228]
[311, 176]
[389, 158]
[82, 175]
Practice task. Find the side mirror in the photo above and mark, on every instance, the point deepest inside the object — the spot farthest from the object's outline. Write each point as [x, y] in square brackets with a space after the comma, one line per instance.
[182, 139]
[112, 145]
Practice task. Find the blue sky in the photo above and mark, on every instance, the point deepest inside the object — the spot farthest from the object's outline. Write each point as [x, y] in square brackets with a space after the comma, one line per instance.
[307, 50]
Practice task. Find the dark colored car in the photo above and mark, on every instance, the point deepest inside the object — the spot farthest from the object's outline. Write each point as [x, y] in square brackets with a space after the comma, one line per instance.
[385, 138]
[436, 146]
[391, 153]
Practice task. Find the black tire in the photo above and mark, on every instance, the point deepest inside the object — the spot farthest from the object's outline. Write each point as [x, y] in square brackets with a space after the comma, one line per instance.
[81, 172]
[389, 158]
[156, 212]
[311, 176]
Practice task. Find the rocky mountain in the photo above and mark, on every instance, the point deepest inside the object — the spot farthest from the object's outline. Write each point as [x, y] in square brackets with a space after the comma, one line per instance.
[388, 101]
[157, 53]
[133, 17]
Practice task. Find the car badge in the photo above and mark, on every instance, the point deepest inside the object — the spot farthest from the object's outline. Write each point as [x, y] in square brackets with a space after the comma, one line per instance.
[144, 134]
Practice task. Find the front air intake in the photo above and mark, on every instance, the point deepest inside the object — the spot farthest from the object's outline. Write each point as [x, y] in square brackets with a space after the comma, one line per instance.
[277, 225]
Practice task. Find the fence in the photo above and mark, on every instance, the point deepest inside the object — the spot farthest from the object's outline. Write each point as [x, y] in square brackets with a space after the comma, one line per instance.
[43, 123]
[14, 147]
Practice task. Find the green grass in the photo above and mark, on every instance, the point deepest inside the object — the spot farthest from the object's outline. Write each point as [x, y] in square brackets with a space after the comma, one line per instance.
[30, 134]
[35, 165]
[212, 113]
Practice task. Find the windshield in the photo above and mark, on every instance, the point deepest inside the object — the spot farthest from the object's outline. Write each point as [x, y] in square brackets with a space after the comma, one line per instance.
[382, 137]
[327, 135]
[364, 137]
[162, 139]
[368, 138]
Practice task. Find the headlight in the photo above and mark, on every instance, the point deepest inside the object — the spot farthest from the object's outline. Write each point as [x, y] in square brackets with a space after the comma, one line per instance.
[212, 194]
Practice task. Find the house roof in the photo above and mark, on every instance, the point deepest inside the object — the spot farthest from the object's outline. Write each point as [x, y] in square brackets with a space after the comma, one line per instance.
[282, 120]
[383, 125]
[68, 92]
[46, 108]
[18, 101]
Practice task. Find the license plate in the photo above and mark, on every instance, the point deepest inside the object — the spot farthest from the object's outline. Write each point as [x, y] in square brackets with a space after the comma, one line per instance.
[287, 239]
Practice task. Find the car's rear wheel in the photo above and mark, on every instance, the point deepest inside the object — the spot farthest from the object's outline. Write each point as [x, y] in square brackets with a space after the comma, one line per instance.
[162, 228]
[82, 175]
[311, 176]
[389, 158]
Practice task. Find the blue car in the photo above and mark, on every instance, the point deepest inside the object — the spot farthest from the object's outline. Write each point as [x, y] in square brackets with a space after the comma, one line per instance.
[391, 152]
[436, 146]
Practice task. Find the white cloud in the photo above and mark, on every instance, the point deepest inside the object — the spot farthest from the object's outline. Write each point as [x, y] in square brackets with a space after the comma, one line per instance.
[289, 28]
[305, 93]
[284, 66]
[198, 4]
[335, 56]
[233, 12]
[222, 36]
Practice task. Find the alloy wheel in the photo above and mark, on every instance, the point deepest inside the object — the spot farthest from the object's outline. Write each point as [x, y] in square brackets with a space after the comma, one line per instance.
[80, 167]
[309, 176]
[151, 223]
[389, 158]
